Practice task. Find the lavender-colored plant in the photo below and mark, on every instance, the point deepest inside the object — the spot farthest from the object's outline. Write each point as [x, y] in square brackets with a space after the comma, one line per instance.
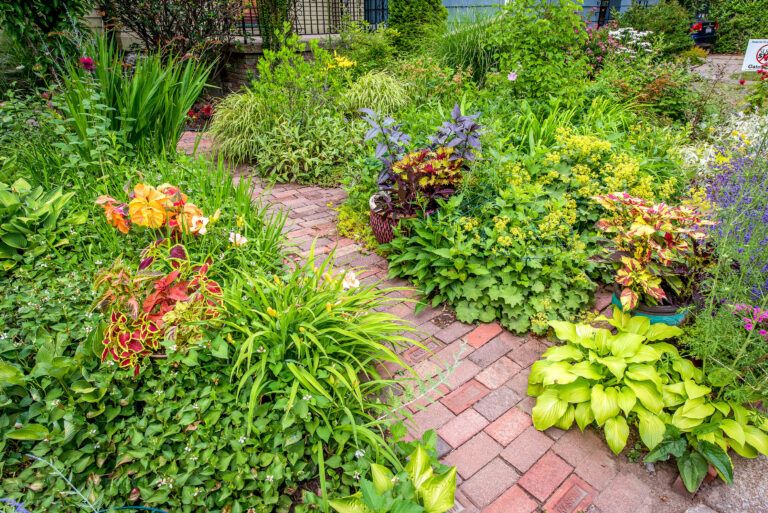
[17, 506]
[391, 143]
[462, 134]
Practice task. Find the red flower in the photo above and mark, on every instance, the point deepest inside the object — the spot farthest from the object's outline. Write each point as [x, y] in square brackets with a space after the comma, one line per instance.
[742, 81]
[191, 113]
[206, 110]
[87, 63]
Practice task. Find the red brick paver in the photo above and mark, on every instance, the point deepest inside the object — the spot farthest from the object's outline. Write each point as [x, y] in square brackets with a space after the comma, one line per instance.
[545, 476]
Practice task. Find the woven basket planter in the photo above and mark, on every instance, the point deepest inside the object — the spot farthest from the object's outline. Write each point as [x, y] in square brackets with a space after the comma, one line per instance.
[383, 226]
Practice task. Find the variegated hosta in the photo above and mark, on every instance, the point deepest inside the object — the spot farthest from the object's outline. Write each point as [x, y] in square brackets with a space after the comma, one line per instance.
[633, 377]
[657, 245]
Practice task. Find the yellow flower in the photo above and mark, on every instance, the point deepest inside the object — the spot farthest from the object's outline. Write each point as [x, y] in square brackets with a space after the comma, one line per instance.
[328, 307]
[341, 62]
[148, 207]
[271, 312]
[240, 222]
[301, 329]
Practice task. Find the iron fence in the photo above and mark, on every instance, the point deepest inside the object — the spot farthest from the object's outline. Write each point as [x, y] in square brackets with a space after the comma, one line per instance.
[317, 17]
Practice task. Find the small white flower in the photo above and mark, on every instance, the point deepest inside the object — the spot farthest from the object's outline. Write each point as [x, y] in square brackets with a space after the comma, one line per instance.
[359, 453]
[195, 406]
[173, 347]
[187, 449]
[199, 224]
[307, 397]
[243, 439]
[350, 281]
[96, 445]
[356, 477]
[269, 478]
[261, 350]
[237, 239]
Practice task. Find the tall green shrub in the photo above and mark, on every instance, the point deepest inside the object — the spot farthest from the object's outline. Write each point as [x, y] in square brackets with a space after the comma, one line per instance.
[146, 104]
[539, 47]
[45, 31]
[414, 20]
[667, 19]
[740, 21]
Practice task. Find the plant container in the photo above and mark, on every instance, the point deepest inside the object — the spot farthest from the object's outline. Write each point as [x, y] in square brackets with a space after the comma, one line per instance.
[383, 226]
[673, 315]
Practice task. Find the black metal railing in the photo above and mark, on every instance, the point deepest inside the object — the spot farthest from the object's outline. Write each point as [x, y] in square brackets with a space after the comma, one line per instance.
[317, 17]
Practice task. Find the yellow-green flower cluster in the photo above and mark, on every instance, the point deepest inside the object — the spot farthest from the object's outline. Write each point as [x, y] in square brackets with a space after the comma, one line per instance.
[469, 224]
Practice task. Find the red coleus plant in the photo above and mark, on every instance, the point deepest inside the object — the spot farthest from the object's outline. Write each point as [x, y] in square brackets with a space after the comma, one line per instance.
[656, 250]
[164, 300]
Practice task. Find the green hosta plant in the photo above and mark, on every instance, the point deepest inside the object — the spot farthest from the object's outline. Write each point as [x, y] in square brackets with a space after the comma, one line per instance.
[635, 378]
[30, 221]
[419, 488]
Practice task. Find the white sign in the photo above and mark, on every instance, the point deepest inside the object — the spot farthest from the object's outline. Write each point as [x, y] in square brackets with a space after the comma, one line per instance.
[756, 56]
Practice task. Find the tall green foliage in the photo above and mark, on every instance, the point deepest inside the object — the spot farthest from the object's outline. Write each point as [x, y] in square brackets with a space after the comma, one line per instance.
[740, 21]
[145, 104]
[415, 20]
[539, 47]
[667, 19]
[44, 31]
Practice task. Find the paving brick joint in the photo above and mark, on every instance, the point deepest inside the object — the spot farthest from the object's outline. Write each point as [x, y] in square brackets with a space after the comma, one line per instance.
[481, 411]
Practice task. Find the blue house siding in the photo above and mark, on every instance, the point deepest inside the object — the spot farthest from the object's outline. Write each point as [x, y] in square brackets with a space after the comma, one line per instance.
[459, 8]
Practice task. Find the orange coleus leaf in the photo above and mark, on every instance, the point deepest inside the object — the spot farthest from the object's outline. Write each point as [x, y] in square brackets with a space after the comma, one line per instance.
[628, 299]
[148, 207]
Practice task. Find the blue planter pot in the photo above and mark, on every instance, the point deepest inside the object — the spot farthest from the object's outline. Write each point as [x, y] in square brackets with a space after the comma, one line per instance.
[671, 315]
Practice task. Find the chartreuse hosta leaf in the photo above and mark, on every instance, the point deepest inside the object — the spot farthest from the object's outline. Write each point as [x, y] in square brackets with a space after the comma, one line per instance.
[615, 365]
[563, 353]
[382, 478]
[734, 430]
[419, 466]
[662, 332]
[578, 391]
[352, 504]
[557, 373]
[625, 345]
[627, 400]
[756, 438]
[694, 390]
[647, 394]
[548, 410]
[566, 421]
[437, 493]
[605, 403]
[651, 428]
[616, 433]
[583, 415]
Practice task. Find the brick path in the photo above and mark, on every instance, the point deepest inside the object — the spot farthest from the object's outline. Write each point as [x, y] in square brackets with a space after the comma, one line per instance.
[479, 405]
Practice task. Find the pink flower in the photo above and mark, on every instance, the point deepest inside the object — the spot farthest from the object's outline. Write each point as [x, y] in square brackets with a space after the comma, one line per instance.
[512, 76]
[87, 63]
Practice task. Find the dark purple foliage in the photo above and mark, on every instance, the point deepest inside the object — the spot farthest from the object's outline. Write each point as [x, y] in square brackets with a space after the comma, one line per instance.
[462, 134]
